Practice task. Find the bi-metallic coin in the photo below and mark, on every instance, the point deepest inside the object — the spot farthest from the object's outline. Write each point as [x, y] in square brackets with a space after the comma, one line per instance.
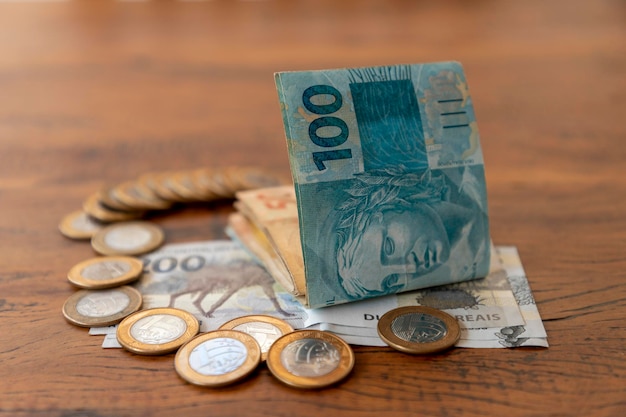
[139, 196]
[128, 238]
[310, 359]
[93, 206]
[105, 272]
[97, 308]
[79, 225]
[157, 331]
[218, 358]
[265, 329]
[418, 329]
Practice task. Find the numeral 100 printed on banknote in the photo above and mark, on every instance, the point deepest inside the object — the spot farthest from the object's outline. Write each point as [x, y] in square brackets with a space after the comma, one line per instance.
[389, 179]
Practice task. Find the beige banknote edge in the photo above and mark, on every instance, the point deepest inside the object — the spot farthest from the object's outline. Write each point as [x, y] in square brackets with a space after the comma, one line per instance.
[254, 240]
[284, 245]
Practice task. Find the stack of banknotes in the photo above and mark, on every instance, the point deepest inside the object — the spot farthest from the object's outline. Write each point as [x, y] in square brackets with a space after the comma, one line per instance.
[219, 280]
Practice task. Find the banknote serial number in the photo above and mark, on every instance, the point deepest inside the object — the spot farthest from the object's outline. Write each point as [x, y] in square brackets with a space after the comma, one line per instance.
[326, 122]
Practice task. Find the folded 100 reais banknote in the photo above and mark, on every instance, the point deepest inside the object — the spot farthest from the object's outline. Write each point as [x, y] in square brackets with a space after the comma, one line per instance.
[389, 179]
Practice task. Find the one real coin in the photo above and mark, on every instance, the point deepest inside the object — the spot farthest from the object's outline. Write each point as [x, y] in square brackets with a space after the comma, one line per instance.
[97, 308]
[310, 359]
[265, 329]
[418, 329]
[105, 272]
[128, 238]
[79, 225]
[218, 358]
[157, 331]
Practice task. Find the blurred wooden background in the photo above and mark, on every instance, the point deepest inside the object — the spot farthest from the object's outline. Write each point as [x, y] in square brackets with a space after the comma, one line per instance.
[95, 92]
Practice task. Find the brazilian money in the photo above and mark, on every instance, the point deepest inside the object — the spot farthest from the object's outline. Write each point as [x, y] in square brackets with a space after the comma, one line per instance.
[389, 179]
[381, 240]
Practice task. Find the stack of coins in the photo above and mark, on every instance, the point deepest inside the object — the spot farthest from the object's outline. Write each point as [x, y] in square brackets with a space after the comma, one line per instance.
[155, 191]
[109, 219]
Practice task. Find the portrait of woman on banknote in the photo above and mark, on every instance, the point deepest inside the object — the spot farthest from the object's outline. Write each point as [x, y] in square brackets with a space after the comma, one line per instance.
[396, 227]
[406, 207]
[415, 215]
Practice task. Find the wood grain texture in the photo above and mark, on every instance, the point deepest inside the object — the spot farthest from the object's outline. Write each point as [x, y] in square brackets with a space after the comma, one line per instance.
[96, 92]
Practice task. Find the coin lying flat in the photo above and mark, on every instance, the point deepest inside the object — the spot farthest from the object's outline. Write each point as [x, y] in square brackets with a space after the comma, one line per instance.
[157, 331]
[127, 238]
[418, 329]
[264, 329]
[96, 308]
[105, 272]
[310, 359]
[218, 358]
[79, 225]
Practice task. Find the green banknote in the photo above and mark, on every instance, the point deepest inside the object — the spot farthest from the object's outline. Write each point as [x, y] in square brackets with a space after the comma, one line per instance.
[389, 179]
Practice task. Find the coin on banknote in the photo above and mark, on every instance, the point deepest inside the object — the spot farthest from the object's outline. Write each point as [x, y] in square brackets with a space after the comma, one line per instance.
[265, 329]
[97, 308]
[105, 272]
[128, 238]
[418, 329]
[157, 331]
[79, 225]
[310, 359]
[218, 358]
[94, 207]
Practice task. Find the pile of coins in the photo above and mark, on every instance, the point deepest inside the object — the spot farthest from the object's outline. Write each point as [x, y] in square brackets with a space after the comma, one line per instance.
[306, 359]
[131, 200]
[299, 358]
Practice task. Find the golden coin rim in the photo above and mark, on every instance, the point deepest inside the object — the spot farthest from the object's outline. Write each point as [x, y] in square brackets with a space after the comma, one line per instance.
[166, 189]
[68, 230]
[211, 183]
[109, 200]
[153, 180]
[99, 245]
[186, 372]
[73, 316]
[282, 325]
[94, 208]
[145, 201]
[275, 365]
[179, 183]
[131, 344]
[75, 276]
[416, 348]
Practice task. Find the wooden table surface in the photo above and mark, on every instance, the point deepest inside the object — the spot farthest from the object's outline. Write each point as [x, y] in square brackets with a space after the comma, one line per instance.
[96, 92]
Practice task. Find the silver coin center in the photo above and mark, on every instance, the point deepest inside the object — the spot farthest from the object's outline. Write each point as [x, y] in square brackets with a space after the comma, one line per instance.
[218, 356]
[310, 357]
[84, 223]
[264, 333]
[419, 328]
[158, 329]
[105, 270]
[102, 303]
[129, 237]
